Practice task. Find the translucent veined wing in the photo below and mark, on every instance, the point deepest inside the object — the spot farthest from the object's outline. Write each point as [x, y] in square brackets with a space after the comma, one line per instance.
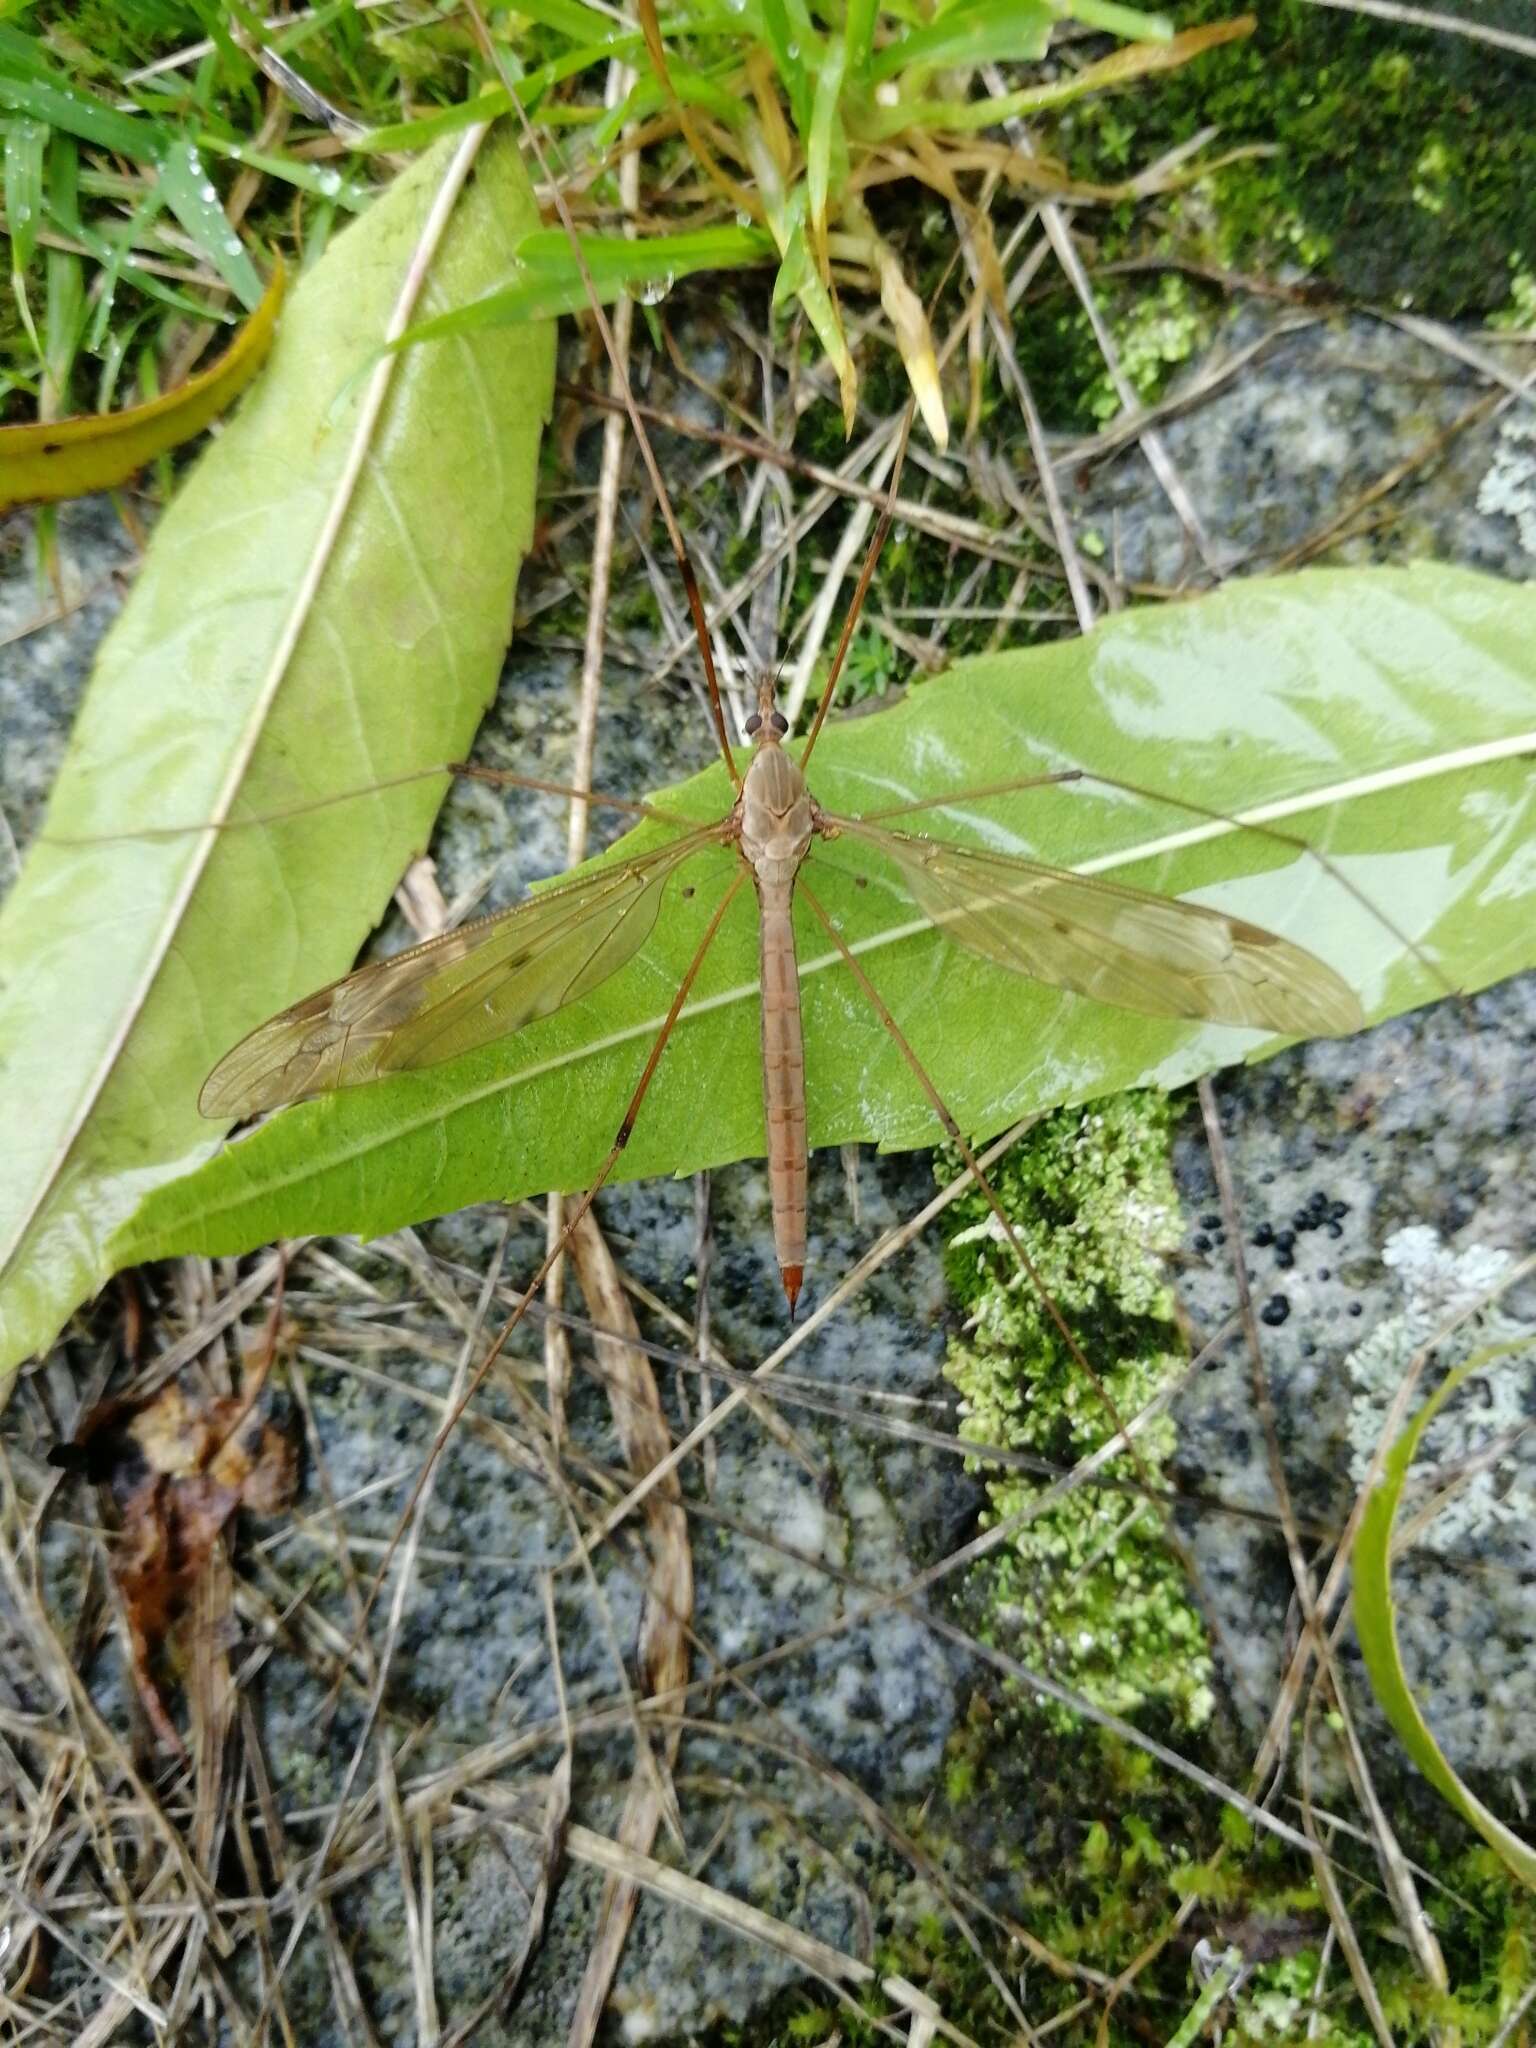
[1123, 946]
[464, 989]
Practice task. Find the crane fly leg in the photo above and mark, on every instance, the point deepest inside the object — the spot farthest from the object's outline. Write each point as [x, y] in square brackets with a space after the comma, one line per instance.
[467, 771]
[553, 1252]
[952, 1130]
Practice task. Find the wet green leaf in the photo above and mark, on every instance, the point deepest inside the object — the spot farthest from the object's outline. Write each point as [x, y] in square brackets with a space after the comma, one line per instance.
[185, 186]
[26, 145]
[1386, 715]
[324, 606]
[31, 85]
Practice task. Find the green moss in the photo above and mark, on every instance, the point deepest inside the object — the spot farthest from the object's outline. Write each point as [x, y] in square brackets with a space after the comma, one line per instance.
[1107, 1846]
[1397, 164]
[1087, 1586]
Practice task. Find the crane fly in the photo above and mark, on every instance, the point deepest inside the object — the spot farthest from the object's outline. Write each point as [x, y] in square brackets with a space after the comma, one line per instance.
[1123, 946]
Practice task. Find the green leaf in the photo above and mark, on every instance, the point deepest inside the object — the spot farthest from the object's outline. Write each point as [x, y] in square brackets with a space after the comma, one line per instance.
[789, 60]
[1344, 703]
[859, 37]
[797, 276]
[694, 88]
[826, 144]
[256, 666]
[993, 32]
[321, 181]
[25, 145]
[1376, 1626]
[570, 19]
[547, 279]
[188, 192]
[30, 85]
[1114, 20]
[495, 100]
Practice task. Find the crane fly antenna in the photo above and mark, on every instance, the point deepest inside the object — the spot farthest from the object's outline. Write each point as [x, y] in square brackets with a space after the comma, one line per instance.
[861, 590]
[882, 528]
[690, 582]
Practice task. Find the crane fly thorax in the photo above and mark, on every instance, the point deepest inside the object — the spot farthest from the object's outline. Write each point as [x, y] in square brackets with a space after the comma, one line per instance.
[777, 816]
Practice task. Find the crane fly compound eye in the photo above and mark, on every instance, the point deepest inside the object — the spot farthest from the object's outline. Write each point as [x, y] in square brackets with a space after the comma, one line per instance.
[779, 722]
[754, 725]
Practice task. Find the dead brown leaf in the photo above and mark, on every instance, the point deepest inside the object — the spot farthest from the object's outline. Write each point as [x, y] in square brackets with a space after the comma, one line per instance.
[177, 1465]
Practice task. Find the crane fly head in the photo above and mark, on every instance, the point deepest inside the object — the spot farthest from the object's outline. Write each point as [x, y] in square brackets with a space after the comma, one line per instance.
[767, 726]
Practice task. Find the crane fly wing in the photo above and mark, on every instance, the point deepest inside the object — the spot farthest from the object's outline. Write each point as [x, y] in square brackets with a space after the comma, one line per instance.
[1124, 946]
[464, 989]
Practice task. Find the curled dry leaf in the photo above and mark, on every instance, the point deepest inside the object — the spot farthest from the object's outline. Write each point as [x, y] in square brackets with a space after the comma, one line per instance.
[95, 451]
[177, 1465]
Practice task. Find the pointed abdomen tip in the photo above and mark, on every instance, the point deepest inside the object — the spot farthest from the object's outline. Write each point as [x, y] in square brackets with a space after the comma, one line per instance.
[793, 1275]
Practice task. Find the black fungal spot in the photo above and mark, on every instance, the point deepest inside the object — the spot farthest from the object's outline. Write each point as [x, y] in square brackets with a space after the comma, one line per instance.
[1275, 1311]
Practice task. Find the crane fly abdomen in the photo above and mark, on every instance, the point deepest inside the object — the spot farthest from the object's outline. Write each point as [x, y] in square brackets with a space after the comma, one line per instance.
[783, 1084]
[776, 820]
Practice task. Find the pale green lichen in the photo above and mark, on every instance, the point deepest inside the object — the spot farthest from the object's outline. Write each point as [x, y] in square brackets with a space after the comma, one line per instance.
[1088, 1584]
[1160, 328]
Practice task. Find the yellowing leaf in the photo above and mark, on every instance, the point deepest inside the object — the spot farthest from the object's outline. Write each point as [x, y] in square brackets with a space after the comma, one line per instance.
[324, 606]
[93, 451]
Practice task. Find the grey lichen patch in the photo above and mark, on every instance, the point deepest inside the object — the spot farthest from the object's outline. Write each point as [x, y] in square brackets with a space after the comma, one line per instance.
[1442, 1287]
[1087, 1581]
[1509, 483]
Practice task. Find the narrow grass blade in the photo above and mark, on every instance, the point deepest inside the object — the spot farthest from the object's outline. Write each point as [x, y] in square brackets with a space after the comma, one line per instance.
[1128, 22]
[826, 146]
[995, 32]
[188, 192]
[26, 144]
[1376, 1627]
[30, 85]
[859, 38]
[548, 281]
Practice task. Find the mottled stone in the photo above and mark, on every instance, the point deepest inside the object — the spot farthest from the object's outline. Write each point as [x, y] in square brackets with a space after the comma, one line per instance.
[1338, 1151]
[1278, 452]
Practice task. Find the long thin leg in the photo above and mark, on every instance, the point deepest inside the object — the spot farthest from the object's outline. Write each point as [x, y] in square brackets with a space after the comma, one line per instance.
[573, 1218]
[469, 770]
[621, 382]
[957, 1139]
[861, 590]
